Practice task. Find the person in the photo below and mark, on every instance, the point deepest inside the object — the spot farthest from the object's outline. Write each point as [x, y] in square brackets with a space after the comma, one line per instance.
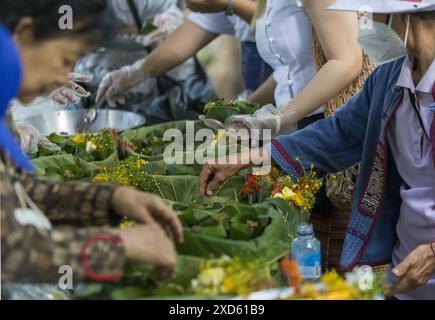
[234, 18]
[46, 225]
[201, 30]
[164, 15]
[389, 126]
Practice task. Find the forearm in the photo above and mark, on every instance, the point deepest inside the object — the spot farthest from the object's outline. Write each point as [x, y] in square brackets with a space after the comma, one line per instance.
[36, 256]
[75, 203]
[334, 76]
[245, 9]
[183, 44]
[265, 94]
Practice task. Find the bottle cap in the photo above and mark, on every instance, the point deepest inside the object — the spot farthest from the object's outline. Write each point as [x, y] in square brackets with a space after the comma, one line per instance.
[305, 229]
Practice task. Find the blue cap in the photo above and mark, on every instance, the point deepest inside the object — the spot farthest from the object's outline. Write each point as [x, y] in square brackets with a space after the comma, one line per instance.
[10, 80]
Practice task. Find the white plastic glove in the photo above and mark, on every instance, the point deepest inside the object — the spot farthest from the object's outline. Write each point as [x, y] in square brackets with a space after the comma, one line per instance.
[72, 92]
[268, 117]
[115, 83]
[30, 139]
[166, 24]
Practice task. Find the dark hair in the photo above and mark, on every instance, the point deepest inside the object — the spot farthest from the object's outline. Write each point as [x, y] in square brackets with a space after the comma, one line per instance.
[88, 16]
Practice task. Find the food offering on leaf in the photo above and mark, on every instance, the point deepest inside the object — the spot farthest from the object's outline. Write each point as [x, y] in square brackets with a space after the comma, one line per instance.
[147, 28]
[231, 276]
[218, 109]
[151, 145]
[233, 221]
[301, 192]
[91, 147]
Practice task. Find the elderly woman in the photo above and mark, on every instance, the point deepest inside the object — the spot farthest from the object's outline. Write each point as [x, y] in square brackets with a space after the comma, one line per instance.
[47, 225]
[389, 126]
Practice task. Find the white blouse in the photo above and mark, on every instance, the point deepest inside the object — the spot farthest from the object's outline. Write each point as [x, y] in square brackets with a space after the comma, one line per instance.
[220, 23]
[147, 9]
[284, 41]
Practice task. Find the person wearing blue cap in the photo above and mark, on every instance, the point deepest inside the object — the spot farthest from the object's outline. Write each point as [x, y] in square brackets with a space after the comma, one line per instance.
[48, 225]
[390, 127]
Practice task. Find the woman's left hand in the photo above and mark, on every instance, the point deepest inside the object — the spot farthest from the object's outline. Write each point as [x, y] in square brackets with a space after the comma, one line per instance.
[147, 209]
[415, 270]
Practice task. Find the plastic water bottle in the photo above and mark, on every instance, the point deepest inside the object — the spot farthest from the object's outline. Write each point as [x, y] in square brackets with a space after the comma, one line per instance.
[306, 251]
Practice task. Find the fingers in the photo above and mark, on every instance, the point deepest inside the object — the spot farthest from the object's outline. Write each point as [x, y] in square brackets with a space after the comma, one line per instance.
[401, 269]
[168, 219]
[104, 87]
[63, 96]
[215, 184]
[406, 283]
[79, 90]
[78, 77]
[204, 178]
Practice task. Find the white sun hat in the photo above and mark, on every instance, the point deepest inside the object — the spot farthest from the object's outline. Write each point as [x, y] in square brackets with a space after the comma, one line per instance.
[384, 6]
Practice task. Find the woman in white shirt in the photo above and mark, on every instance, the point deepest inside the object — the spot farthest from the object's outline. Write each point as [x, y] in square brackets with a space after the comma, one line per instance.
[284, 39]
[255, 71]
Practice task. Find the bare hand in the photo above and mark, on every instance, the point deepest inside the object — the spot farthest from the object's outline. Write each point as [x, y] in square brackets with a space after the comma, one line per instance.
[415, 270]
[207, 6]
[147, 209]
[148, 244]
[212, 177]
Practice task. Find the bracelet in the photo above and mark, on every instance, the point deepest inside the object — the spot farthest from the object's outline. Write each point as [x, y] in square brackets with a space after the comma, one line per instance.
[230, 8]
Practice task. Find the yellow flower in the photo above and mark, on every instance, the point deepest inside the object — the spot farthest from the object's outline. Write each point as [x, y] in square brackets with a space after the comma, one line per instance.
[287, 193]
[229, 285]
[211, 277]
[140, 163]
[79, 138]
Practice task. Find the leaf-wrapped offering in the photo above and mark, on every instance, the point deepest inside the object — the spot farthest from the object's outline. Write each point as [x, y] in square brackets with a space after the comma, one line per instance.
[65, 168]
[149, 141]
[260, 231]
[219, 110]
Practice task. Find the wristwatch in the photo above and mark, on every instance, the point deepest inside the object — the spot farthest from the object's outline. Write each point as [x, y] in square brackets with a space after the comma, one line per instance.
[229, 11]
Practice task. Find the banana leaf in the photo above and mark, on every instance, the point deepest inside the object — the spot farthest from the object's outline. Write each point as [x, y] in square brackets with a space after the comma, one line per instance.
[65, 167]
[149, 140]
[272, 243]
[185, 189]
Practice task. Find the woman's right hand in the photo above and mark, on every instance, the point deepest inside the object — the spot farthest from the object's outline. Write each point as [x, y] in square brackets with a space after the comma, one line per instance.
[115, 83]
[213, 176]
[149, 244]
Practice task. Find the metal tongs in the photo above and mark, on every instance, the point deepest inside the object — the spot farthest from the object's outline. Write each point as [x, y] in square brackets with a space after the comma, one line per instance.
[92, 114]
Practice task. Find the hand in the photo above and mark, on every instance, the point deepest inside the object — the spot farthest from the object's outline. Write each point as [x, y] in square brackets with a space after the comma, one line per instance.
[207, 6]
[213, 176]
[72, 92]
[117, 82]
[147, 209]
[166, 24]
[268, 117]
[212, 123]
[148, 244]
[415, 270]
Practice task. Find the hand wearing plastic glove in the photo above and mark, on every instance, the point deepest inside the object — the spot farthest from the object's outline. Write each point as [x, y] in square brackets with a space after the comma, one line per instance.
[115, 83]
[268, 117]
[30, 139]
[72, 92]
[166, 24]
